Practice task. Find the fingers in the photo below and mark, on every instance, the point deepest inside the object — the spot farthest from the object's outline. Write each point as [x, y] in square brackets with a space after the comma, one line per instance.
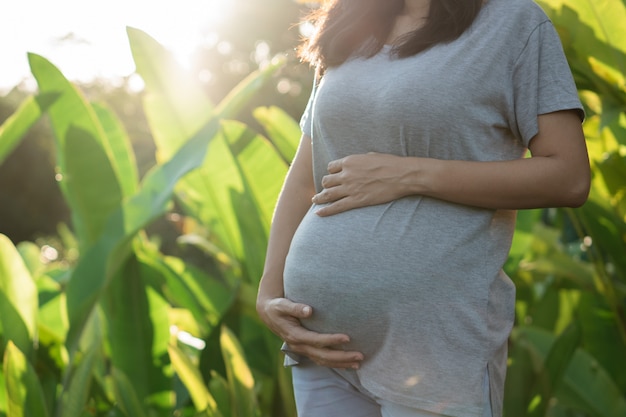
[289, 308]
[328, 195]
[324, 349]
[335, 166]
[335, 208]
[298, 335]
[338, 164]
[333, 358]
[282, 316]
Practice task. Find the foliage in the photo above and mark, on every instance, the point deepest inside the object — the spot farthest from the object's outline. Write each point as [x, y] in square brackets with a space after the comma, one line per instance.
[110, 332]
[119, 324]
[31, 204]
[570, 265]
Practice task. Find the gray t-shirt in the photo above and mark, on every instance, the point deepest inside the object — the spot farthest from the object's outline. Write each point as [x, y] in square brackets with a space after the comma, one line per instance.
[417, 283]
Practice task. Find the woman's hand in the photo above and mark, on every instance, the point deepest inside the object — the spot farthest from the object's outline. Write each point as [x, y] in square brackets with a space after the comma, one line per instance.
[283, 316]
[556, 175]
[362, 180]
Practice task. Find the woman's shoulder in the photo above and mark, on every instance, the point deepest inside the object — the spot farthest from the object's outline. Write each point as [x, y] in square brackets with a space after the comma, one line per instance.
[510, 23]
[516, 12]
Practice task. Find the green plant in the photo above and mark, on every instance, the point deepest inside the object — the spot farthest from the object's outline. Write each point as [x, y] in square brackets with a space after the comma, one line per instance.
[570, 265]
[105, 334]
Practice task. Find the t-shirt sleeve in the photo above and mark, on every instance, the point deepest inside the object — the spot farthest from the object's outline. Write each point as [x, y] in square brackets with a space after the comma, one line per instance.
[542, 81]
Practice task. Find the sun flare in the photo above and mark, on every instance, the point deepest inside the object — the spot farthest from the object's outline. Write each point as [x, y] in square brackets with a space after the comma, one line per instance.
[88, 42]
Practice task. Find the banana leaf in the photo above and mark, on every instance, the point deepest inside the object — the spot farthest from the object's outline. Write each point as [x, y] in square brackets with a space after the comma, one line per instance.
[586, 386]
[137, 321]
[126, 396]
[174, 102]
[28, 113]
[89, 179]
[182, 284]
[239, 376]
[191, 377]
[123, 154]
[281, 129]
[215, 193]
[24, 394]
[18, 300]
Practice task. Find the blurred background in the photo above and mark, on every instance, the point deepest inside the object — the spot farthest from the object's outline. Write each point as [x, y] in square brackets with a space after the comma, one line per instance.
[219, 42]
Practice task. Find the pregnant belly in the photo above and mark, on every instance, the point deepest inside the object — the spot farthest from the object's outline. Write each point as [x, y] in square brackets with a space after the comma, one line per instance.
[388, 269]
[352, 271]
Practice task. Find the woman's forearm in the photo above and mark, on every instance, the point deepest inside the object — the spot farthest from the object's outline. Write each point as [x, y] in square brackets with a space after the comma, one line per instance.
[290, 209]
[556, 175]
[293, 203]
[519, 184]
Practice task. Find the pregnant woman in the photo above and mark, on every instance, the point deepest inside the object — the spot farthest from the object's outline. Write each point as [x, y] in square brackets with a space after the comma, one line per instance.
[384, 267]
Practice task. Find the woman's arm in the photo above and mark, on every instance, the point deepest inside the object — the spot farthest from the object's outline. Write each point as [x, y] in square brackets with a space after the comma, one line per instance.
[281, 315]
[557, 174]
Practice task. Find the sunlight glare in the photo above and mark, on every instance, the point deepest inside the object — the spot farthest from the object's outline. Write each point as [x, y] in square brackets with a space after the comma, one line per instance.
[186, 27]
[88, 42]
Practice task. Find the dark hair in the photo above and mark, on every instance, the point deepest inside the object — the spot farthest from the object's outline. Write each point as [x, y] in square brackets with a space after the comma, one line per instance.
[347, 28]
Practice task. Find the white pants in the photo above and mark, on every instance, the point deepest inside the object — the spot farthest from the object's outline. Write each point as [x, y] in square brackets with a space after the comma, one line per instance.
[322, 392]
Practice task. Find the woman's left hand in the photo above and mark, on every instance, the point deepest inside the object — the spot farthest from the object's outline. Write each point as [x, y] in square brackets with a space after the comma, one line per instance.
[362, 180]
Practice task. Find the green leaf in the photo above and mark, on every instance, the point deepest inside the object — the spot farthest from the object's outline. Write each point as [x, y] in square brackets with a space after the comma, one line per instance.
[608, 232]
[18, 299]
[240, 380]
[191, 377]
[176, 108]
[51, 313]
[3, 395]
[24, 394]
[262, 171]
[219, 389]
[586, 386]
[76, 397]
[137, 320]
[556, 362]
[123, 156]
[79, 373]
[15, 127]
[184, 285]
[285, 387]
[524, 233]
[601, 336]
[613, 170]
[545, 257]
[31, 254]
[74, 121]
[545, 311]
[282, 130]
[206, 195]
[88, 179]
[101, 262]
[234, 192]
[174, 103]
[126, 395]
[95, 277]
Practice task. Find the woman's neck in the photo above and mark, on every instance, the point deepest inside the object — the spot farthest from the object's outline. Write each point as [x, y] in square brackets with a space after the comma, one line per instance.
[416, 9]
[412, 17]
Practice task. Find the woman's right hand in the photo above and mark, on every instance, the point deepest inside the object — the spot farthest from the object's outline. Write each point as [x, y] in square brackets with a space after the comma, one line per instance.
[283, 316]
